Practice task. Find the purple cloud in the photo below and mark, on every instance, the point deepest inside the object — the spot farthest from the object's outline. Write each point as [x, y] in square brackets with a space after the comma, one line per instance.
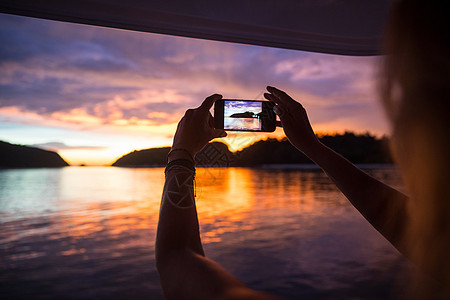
[52, 67]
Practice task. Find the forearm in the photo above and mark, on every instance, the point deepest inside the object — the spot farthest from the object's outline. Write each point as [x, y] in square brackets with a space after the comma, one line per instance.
[184, 271]
[384, 207]
[178, 226]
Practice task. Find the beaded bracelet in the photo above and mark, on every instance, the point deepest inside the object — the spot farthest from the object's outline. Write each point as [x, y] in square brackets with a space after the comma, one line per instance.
[180, 149]
[185, 164]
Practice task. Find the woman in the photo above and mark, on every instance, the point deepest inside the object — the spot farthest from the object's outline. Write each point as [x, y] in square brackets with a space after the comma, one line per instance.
[414, 91]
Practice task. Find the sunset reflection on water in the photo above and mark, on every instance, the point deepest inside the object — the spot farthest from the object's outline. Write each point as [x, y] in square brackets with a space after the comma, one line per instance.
[90, 232]
[226, 197]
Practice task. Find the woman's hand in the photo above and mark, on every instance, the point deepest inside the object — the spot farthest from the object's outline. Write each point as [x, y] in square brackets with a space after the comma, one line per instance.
[196, 129]
[294, 120]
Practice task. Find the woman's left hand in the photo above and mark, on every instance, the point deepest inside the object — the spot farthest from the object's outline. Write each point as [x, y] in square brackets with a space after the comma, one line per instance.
[196, 128]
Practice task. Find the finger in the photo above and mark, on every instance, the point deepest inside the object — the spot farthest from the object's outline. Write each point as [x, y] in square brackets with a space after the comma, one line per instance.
[188, 112]
[280, 110]
[211, 122]
[272, 98]
[208, 102]
[219, 133]
[281, 95]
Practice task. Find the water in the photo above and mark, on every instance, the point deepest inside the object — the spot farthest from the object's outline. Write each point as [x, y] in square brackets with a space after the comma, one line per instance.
[89, 232]
[242, 123]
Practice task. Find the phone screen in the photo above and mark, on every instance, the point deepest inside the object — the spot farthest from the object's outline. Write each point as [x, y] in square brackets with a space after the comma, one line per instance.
[242, 115]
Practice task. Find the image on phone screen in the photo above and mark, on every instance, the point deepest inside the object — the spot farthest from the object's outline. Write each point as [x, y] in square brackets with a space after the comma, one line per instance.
[242, 115]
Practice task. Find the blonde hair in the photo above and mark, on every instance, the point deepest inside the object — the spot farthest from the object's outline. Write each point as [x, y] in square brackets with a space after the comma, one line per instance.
[415, 91]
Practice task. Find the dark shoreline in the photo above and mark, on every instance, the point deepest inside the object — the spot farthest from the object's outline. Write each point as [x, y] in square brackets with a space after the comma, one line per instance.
[270, 166]
[359, 149]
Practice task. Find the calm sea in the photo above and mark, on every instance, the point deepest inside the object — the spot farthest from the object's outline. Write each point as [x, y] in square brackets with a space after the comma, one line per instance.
[89, 232]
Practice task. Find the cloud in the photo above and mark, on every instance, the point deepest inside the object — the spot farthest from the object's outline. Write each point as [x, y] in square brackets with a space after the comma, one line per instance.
[57, 146]
[90, 76]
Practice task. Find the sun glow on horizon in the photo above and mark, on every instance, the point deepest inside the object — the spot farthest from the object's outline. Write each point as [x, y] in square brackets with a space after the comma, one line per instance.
[92, 157]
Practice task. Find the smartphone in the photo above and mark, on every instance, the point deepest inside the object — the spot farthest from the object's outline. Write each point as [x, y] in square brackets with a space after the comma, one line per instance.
[244, 115]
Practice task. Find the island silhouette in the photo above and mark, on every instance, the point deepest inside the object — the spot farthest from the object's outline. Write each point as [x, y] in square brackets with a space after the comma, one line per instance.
[247, 114]
[358, 148]
[18, 156]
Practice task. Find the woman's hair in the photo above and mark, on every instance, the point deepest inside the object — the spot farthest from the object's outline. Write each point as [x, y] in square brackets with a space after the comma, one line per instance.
[415, 91]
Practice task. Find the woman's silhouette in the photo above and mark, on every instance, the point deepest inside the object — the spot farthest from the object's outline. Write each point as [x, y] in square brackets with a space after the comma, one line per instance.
[414, 88]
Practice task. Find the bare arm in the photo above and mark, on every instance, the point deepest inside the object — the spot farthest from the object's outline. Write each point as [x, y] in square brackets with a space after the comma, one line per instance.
[185, 272]
[383, 206]
[178, 227]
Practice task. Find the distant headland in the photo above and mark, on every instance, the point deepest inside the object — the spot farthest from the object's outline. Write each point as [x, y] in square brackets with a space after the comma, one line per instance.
[17, 156]
[358, 148]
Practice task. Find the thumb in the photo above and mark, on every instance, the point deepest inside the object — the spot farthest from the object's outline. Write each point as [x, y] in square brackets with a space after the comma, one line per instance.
[219, 133]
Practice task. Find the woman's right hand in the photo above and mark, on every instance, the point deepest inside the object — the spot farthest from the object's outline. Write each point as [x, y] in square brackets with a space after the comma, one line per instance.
[294, 120]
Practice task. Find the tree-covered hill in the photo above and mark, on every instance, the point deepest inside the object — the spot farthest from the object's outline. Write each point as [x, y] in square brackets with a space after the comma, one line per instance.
[17, 156]
[363, 149]
[148, 157]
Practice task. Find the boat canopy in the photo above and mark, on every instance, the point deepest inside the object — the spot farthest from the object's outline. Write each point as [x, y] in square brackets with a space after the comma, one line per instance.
[348, 27]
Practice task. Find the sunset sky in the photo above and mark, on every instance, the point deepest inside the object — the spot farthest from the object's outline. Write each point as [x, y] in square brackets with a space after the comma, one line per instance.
[93, 94]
